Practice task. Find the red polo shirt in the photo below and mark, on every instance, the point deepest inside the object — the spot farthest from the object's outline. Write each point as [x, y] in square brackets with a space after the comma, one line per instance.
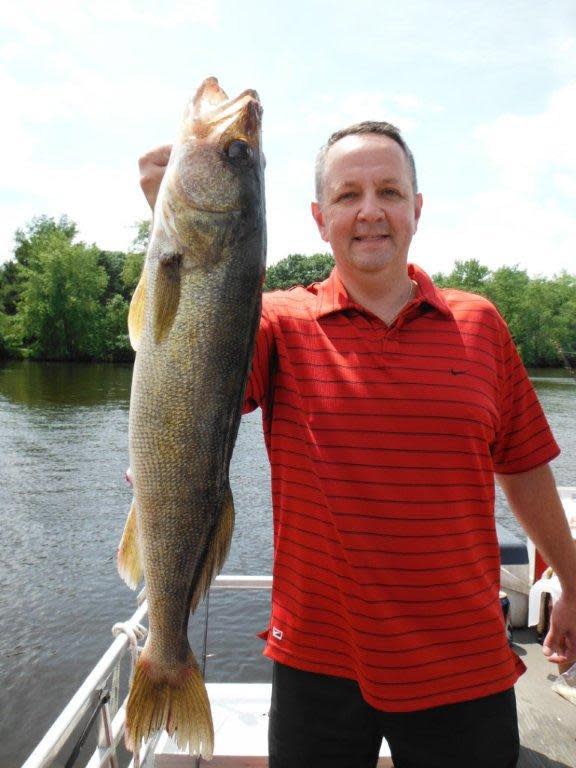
[383, 443]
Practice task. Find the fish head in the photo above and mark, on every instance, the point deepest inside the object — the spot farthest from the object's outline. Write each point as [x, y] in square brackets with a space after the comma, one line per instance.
[215, 177]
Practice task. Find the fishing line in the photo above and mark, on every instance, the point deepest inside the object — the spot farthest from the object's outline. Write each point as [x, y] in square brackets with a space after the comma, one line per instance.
[204, 649]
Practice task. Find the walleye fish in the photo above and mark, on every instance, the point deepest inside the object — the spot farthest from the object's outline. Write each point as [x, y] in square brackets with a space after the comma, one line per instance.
[192, 320]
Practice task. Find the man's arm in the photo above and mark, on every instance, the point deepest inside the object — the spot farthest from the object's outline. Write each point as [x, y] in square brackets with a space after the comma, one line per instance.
[535, 502]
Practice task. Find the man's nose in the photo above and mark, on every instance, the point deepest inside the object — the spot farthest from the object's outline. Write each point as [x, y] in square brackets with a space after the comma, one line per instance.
[371, 208]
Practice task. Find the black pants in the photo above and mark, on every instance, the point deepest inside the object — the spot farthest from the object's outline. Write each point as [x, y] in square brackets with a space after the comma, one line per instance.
[320, 721]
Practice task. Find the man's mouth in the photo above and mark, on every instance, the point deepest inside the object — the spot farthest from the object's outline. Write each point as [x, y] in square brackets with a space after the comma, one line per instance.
[368, 238]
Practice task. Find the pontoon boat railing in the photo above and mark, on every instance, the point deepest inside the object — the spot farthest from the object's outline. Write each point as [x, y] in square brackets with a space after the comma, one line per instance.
[99, 693]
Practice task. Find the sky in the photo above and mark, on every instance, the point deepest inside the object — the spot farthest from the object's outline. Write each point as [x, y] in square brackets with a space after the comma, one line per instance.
[484, 93]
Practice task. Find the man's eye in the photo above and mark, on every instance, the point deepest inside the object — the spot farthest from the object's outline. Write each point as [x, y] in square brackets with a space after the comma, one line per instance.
[345, 196]
[239, 151]
[390, 192]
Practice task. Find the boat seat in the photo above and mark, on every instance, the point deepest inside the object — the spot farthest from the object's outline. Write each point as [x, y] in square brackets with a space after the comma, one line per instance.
[513, 551]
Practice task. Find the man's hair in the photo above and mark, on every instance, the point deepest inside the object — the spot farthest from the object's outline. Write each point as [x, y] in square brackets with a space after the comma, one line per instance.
[366, 127]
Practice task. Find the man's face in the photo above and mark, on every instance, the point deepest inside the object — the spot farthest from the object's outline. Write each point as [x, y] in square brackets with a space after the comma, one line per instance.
[368, 212]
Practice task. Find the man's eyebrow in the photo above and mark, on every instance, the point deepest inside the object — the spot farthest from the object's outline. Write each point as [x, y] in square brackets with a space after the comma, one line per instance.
[351, 183]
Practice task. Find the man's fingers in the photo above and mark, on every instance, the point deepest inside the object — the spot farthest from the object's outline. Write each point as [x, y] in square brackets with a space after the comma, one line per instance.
[157, 156]
[152, 166]
[559, 650]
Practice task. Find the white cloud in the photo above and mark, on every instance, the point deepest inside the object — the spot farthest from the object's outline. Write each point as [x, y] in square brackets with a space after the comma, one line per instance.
[30, 17]
[525, 149]
[526, 214]
[151, 13]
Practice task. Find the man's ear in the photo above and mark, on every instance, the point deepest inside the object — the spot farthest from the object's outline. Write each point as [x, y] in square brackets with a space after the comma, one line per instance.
[319, 219]
[418, 202]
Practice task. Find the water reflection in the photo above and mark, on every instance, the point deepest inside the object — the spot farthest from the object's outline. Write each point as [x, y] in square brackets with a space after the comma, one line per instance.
[63, 384]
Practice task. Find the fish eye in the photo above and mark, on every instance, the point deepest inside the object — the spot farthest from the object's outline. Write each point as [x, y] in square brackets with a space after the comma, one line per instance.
[239, 151]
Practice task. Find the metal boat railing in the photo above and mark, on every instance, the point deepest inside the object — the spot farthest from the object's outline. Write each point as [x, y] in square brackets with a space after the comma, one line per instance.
[98, 694]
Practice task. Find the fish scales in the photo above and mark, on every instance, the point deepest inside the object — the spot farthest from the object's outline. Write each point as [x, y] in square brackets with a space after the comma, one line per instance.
[193, 320]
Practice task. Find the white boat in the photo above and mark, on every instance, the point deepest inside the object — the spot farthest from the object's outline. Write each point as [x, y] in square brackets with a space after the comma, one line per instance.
[240, 710]
[522, 566]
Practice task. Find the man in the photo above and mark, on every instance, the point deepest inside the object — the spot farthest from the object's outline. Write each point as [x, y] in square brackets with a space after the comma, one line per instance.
[388, 407]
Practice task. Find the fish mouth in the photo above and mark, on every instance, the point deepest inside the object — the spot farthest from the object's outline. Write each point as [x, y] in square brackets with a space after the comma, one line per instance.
[211, 113]
[211, 98]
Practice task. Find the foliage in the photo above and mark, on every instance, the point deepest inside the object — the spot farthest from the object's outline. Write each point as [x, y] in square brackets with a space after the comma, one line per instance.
[61, 299]
[10, 286]
[466, 275]
[39, 228]
[142, 238]
[113, 262]
[297, 269]
[116, 321]
[131, 272]
[134, 260]
[540, 312]
[60, 307]
[10, 336]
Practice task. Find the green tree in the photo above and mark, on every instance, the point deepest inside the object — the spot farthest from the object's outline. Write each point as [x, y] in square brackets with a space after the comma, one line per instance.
[40, 227]
[61, 313]
[10, 286]
[116, 330]
[134, 261]
[131, 272]
[10, 336]
[297, 269]
[507, 289]
[113, 263]
[142, 239]
[467, 276]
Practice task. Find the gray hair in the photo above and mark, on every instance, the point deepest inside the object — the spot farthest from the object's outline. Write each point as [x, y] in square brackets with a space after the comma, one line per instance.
[366, 127]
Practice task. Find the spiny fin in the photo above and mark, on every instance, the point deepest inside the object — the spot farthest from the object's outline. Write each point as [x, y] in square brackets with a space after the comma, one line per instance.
[177, 702]
[137, 311]
[166, 293]
[218, 548]
[129, 560]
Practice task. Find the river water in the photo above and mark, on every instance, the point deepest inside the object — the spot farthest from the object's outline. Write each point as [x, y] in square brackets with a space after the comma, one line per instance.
[63, 503]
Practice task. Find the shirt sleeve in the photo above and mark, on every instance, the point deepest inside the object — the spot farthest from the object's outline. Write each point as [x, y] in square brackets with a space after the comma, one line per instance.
[524, 440]
[258, 386]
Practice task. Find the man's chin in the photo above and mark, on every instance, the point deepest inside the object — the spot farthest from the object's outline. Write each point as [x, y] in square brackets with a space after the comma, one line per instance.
[370, 260]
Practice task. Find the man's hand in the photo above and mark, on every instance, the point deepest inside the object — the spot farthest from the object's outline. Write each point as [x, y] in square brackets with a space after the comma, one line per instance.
[152, 166]
[533, 498]
[559, 645]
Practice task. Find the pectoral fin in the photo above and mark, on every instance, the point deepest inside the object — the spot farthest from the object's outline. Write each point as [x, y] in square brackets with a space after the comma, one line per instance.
[166, 293]
[137, 311]
[129, 560]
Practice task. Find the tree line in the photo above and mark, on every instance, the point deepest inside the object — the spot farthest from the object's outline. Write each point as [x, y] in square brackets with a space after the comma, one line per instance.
[64, 300]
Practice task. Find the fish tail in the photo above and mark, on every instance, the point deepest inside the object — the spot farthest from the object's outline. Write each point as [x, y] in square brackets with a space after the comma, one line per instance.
[176, 702]
[129, 561]
[216, 552]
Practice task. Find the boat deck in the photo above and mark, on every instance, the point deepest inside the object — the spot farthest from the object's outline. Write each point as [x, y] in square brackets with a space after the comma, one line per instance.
[547, 721]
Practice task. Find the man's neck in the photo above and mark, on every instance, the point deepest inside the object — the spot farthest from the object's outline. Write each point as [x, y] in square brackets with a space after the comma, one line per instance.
[382, 294]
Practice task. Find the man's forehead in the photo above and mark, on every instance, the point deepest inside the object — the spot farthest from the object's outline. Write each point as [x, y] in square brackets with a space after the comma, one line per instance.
[365, 149]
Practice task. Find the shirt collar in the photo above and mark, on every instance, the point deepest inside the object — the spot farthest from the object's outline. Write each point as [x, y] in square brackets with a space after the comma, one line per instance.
[333, 297]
